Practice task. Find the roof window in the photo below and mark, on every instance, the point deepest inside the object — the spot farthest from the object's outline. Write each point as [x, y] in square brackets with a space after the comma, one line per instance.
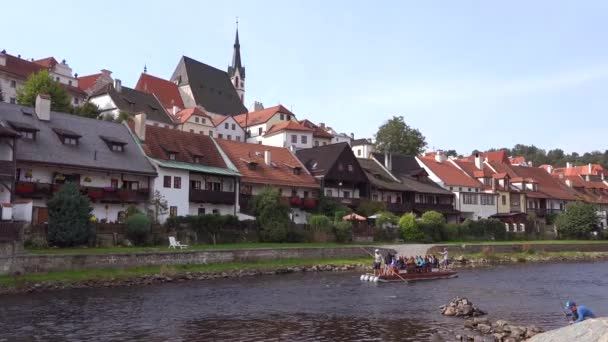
[67, 137]
[114, 144]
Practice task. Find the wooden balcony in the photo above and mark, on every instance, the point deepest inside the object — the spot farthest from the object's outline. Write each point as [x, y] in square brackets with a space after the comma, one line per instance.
[349, 202]
[215, 197]
[399, 208]
[442, 208]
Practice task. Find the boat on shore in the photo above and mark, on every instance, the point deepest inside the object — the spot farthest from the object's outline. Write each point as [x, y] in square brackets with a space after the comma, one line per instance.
[410, 276]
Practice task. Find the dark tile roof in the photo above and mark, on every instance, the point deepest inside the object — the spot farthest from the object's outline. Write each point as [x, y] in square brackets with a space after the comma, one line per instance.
[401, 165]
[379, 177]
[210, 87]
[358, 142]
[91, 152]
[135, 101]
[319, 160]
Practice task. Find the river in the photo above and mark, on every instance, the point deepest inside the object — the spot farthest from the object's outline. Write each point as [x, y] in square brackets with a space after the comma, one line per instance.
[301, 307]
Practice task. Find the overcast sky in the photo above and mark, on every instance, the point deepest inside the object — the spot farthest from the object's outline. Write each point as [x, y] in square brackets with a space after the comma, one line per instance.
[468, 74]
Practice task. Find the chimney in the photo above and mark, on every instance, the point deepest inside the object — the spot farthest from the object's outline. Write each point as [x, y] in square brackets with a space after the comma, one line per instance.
[140, 126]
[568, 165]
[569, 183]
[106, 72]
[352, 135]
[175, 110]
[478, 161]
[590, 168]
[117, 85]
[440, 157]
[530, 163]
[550, 169]
[322, 125]
[43, 107]
[257, 105]
[388, 161]
[3, 58]
[602, 175]
[267, 159]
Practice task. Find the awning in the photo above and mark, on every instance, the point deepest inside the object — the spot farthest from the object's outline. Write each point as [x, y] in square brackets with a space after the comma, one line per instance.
[354, 217]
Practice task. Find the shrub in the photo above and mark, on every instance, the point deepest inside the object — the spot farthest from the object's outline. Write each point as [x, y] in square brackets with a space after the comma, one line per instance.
[433, 218]
[329, 207]
[367, 208]
[384, 218]
[409, 228]
[452, 232]
[340, 213]
[69, 217]
[271, 214]
[579, 220]
[343, 231]
[138, 229]
[319, 223]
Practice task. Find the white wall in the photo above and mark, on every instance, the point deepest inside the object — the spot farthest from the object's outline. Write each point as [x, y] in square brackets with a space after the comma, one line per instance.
[174, 197]
[187, 97]
[283, 139]
[363, 151]
[233, 130]
[223, 209]
[320, 141]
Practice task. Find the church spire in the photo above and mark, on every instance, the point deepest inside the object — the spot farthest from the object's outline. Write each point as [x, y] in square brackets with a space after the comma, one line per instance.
[236, 71]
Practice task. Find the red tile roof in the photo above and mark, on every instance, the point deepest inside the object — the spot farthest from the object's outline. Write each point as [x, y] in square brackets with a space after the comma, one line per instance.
[596, 169]
[449, 173]
[287, 126]
[185, 114]
[48, 62]
[279, 174]
[318, 132]
[517, 160]
[495, 156]
[19, 68]
[260, 116]
[86, 82]
[160, 141]
[472, 170]
[165, 90]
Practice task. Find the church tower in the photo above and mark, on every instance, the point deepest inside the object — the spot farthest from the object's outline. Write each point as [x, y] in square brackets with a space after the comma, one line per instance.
[236, 71]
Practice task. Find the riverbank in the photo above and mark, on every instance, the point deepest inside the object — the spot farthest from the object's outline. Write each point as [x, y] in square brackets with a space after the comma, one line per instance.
[488, 259]
[149, 275]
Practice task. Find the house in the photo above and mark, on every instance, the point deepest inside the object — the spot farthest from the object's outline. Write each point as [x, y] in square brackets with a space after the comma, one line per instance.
[499, 156]
[337, 137]
[201, 85]
[467, 190]
[362, 148]
[194, 120]
[319, 136]
[278, 167]
[337, 171]
[228, 128]
[194, 176]
[55, 148]
[385, 187]
[421, 194]
[289, 134]
[165, 91]
[258, 123]
[8, 162]
[94, 82]
[14, 71]
[116, 98]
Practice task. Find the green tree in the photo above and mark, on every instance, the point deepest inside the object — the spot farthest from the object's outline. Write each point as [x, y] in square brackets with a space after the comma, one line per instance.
[69, 217]
[396, 136]
[386, 218]
[272, 215]
[42, 83]
[578, 221]
[87, 110]
[433, 218]
[368, 208]
[157, 206]
[343, 231]
[138, 228]
[409, 228]
[320, 223]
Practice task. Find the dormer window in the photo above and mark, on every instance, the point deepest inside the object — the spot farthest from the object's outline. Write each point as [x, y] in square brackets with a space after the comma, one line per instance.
[114, 144]
[117, 148]
[251, 165]
[172, 155]
[67, 137]
[70, 141]
[296, 171]
[27, 131]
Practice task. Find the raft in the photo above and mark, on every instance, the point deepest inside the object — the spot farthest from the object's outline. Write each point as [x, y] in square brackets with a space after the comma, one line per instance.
[411, 276]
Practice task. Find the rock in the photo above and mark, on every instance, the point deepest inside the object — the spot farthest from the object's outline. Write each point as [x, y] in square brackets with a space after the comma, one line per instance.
[517, 332]
[467, 310]
[469, 323]
[586, 331]
[509, 339]
[501, 323]
[481, 321]
[499, 336]
[461, 307]
[484, 328]
[449, 311]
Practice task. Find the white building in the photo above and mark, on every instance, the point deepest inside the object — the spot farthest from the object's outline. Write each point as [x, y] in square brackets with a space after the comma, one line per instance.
[226, 127]
[258, 123]
[362, 148]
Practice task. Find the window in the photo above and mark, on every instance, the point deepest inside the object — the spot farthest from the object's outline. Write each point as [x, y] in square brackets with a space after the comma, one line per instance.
[294, 193]
[359, 152]
[217, 186]
[117, 147]
[229, 137]
[238, 138]
[196, 119]
[324, 143]
[294, 139]
[172, 155]
[233, 127]
[296, 171]
[114, 183]
[203, 120]
[282, 117]
[304, 139]
[216, 212]
[57, 79]
[503, 198]
[220, 135]
[469, 198]
[196, 159]
[69, 141]
[346, 194]
[76, 101]
[13, 100]
[305, 194]
[225, 125]
[316, 142]
[69, 82]
[131, 185]
[350, 168]
[487, 181]
[167, 182]
[201, 211]
[375, 197]
[172, 211]
[287, 117]
[13, 84]
[28, 135]
[210, 133]
[177, 182]
[340, 167]
[201, 132]
[260, 131]
[451, 188]
[328, 193]
[194, 184]
[487, 199]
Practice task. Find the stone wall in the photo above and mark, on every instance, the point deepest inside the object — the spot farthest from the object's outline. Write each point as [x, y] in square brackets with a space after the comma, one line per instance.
[66, 262]
[10, 248]
[521, 247]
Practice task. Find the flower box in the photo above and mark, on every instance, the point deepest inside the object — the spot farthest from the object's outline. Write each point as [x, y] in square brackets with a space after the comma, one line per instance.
[295, 201]
[310, 203]
[25, 188]
[126, 195]
[95, 194]
[109, 189]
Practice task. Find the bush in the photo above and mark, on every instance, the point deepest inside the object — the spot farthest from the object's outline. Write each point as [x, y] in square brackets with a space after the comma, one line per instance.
[343, 231]
[138, 229]
[409, 228]
[272, 215]
[433, 218]
[69, 217]
[319, 223]
[451, 232]
[384, 218]
[368, 208]
[579, 220]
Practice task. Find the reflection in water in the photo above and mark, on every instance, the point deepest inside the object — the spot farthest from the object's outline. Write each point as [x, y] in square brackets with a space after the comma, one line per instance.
[301, 307]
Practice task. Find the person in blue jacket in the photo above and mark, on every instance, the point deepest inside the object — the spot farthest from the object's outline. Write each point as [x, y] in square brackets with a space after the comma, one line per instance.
[579, 312]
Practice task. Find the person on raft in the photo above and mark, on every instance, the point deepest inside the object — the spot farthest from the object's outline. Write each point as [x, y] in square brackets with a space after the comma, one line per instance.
[377, 262]
[579, 312]
[444, 262]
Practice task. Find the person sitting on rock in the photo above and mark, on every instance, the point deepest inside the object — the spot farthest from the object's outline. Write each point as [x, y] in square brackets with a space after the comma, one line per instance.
[579, 312]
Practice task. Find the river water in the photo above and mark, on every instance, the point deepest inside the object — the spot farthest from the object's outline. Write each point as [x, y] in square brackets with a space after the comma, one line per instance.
[301, 307]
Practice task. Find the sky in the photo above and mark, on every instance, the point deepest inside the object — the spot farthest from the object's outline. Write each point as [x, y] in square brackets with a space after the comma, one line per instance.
[468, 74]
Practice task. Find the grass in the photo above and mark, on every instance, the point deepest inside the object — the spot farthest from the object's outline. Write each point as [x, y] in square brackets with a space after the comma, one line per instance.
[529, 255]
[525, 242]
[109, 250]
[67, 277]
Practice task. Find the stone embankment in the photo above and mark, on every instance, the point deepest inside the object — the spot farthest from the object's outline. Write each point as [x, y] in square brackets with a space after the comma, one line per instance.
[591, 330]
[463, 260]
[173, 277]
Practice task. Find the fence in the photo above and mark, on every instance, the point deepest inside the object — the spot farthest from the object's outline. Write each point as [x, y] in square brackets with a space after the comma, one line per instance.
[9, 231]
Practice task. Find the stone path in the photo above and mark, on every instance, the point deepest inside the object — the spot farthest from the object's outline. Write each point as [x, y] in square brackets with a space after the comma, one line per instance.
[410, 249]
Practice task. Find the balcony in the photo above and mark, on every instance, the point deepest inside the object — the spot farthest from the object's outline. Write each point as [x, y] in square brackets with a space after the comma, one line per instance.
[399, 208]
[114, 195]
[33, 189]
[442, 208]
[307, 203]
[215, 197]
[349, 202]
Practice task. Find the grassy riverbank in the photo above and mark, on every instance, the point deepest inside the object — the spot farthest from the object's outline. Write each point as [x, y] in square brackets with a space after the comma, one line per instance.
[526, 242]
[528, 256]
[121, 274]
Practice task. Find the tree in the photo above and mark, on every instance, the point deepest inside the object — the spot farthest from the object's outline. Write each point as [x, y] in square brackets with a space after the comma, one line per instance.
[395, 136]
[69, 217]
[138, 228]
[42, 83]
[578, 221]
[158, 206]
[87, 110]
[433, 218]
[409, 228]
[272, 215]
[452, 153]
[369, 208]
